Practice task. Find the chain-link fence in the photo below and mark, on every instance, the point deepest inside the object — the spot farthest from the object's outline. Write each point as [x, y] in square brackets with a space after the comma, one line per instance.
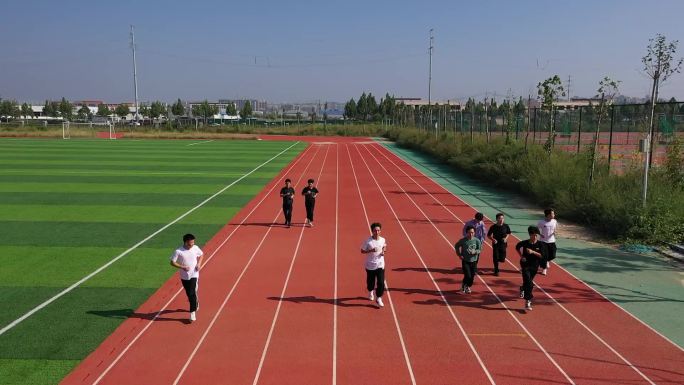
[619, 128]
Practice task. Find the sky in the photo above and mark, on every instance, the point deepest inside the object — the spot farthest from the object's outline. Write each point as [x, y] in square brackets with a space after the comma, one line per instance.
[309, 51]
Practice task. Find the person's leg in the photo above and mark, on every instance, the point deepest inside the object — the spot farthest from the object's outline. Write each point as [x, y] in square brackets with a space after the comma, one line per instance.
[544, 262]
[528, 282]
[380, 282]
[190, 286]
[287, 209]
[495, 258]
[467, 274]
[370, 280]
[473, 268]
[552, 253]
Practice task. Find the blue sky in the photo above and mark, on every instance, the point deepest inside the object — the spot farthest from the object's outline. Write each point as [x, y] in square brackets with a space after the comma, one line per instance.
[302, 51]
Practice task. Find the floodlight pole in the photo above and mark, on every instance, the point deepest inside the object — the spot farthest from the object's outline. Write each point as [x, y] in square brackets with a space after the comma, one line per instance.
[135, 74]
[430, 71]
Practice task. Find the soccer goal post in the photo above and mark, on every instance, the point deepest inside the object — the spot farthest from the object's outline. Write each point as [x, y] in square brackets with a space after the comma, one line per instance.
[65, 130]
[112, 132]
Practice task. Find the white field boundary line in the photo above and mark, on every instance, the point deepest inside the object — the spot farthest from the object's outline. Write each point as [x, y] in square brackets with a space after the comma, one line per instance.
[335, 303]
[196, 143]
[234, 287]
[143, 330]
[508, 310]
[564, 269]
[420, 257]
[264, 352]
[106, 265]
[394, 312]
[606, 344]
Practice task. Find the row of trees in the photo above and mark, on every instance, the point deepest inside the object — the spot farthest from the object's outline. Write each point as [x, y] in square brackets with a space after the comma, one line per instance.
[155, 110]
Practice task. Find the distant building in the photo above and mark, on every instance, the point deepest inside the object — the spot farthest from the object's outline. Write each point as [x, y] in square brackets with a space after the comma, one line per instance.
[422, 102]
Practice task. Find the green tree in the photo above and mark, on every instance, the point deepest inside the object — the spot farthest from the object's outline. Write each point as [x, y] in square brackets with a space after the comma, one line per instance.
[371, 107]
[659, 65]
[144, 111]
[9, 108]
[122, 110]
[231, 110]
[607, 91]
[362, 107]
[205, 110]
[49, 109]
[83, 113]
[157, 109]
[103, 110]
[350, 109]
[26, 110]
[66, 109]
[548, 92]
[246, 110]
[178, 109]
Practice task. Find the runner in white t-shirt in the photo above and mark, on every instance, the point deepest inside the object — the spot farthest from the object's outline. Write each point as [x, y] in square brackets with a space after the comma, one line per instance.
[547, 227]
[187, 259]
[375, 247]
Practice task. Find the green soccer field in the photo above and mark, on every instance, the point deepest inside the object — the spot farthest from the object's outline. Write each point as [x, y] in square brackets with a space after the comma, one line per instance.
[67, 207]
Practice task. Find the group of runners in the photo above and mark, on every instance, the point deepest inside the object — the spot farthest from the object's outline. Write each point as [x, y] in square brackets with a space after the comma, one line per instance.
[535, 253]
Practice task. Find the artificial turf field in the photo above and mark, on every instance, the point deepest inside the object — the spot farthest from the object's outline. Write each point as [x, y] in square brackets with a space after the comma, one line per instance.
[68, 207]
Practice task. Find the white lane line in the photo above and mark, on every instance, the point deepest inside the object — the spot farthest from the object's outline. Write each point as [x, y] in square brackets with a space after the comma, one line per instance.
[166, 305]
[337, 216]
[232, 289]
[196, 143]
[394, 313]
[282, 293]
[606, 344]
[106, 265]
[508, 310]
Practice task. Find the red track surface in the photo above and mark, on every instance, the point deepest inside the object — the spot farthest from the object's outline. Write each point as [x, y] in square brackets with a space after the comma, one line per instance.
[288, 306]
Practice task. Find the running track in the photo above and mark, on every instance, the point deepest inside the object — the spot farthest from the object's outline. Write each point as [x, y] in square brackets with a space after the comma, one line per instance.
[288, 306]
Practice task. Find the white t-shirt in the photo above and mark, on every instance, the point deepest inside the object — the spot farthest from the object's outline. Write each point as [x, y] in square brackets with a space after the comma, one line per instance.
[374, 260]
[548, 230]
[187, 257]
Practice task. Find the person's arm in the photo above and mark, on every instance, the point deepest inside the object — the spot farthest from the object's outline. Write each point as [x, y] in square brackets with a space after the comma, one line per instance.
[507, 232]
[459, 249]
[199, 261]
[490, 235]
[178, 265]
[365, 248]
[520, 249]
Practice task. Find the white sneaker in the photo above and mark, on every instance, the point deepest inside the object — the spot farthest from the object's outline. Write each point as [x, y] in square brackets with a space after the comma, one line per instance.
[193, 317]
[310, 224]
[371, 296]
[544, 271]
[528, 305]
[379, 301]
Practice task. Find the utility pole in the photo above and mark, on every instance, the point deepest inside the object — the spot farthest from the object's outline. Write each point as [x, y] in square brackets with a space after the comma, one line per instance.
[430, 71]
[569, 81]
[135, 75]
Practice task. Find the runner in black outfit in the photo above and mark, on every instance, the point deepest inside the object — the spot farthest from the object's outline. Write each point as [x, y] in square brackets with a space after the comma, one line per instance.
[531, 253]
[287, 193]
[498, 233]
[310, 193]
